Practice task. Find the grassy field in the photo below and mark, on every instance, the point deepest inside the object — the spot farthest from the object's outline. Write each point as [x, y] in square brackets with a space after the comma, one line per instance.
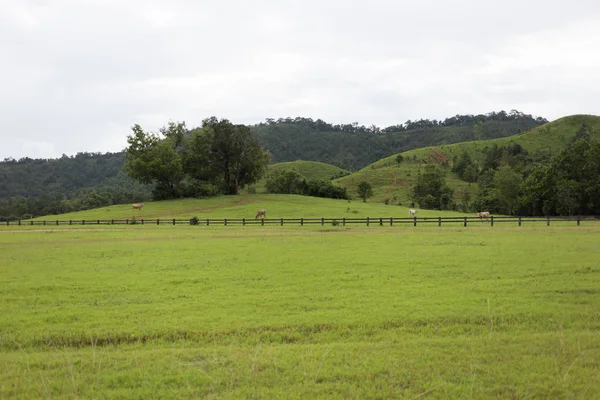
[179, 312]
[245, 206]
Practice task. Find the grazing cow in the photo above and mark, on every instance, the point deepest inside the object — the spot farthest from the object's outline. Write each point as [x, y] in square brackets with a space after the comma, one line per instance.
[261, 213]
[483, 214]
[138, 206]
[412, 213]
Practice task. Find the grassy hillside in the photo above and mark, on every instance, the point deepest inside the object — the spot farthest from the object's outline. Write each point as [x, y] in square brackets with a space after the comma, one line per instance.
[245, 206]
[390, 179]
[309, 169]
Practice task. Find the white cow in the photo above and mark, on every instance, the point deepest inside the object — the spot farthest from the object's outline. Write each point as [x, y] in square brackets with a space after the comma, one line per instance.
[483, 214]
[412, 213]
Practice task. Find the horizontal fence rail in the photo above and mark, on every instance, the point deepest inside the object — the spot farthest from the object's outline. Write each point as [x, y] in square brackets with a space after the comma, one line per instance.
[368, 221]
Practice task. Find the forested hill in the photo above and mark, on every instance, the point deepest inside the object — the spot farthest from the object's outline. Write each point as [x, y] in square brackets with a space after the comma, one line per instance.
[353, 146]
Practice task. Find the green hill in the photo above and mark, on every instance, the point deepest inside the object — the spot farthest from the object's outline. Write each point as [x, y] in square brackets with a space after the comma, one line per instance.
[311, 169]
[390, 180]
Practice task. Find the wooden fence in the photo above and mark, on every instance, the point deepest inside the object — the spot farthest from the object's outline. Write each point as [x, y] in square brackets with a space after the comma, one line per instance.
[368, 221]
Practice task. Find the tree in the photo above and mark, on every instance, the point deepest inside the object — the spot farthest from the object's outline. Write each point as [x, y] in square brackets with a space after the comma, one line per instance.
[431, 191]
[508, 185]
[399, 159]
[150, 159]
[364, 190]
[286, 182]
[234, 154]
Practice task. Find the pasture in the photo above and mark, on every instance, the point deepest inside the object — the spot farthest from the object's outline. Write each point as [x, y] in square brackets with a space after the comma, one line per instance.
[312, 312]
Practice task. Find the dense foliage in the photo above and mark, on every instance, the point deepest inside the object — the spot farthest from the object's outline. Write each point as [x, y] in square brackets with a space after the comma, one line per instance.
[513, 181]
[33, 187]
[291, 182]
[431, 191]
[218, 157]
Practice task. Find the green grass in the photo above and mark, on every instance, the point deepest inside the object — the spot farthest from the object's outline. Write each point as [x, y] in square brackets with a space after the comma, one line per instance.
[245, 206]
[180, 312]
[390, 179]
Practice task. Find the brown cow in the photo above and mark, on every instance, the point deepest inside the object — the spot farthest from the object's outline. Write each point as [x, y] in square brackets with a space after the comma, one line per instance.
[138, 206]
[261, 213]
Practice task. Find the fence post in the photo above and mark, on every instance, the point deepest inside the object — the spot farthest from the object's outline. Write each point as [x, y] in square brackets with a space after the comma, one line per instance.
[82, 222]
[112, 221]
[31, 222]
[439, 221]
[391, 221]
[56, 222]
[173, 221]
[547, 220]
[225, 221]
[7, 222]
[519, 220]
[243, 221]
[578, 220]
[414, 221]
[322, 221]
[142, 221]
[44, 222]
[380, 221]
[281, 221]
[262, 221]
[127, 221]
[207, 221]
[492, 219]
[301, 221]
[344, 221]
[157, 221]
[19, 222]
[465, 221]
[368, 221]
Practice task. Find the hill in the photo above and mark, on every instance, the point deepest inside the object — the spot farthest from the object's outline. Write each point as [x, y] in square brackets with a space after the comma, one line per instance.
[353, 146]
[391, 180]
[311, 170]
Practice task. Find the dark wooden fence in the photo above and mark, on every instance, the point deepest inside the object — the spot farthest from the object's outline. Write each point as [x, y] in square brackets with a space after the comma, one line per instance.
[368, 221]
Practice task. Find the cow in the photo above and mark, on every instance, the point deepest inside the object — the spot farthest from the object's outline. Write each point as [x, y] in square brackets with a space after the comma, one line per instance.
[483, 214]
[261, 213]
[138, 206]
[412, 213]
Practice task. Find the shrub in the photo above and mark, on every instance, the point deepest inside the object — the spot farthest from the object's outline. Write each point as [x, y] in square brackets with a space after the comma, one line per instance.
[194, 221]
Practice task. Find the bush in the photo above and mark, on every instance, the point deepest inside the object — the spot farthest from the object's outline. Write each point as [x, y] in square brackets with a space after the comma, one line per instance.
[194, 221]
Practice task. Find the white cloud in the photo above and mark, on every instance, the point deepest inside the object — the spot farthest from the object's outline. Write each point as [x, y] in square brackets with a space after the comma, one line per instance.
[80, 73]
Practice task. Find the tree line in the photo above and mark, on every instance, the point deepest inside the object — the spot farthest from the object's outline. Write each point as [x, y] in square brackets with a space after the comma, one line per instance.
[512, 181]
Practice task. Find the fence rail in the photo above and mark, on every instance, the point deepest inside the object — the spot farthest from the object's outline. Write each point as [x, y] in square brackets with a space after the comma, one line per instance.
[368, 221]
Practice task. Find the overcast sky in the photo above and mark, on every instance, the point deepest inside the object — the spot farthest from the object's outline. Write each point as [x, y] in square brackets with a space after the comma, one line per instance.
[76, 75]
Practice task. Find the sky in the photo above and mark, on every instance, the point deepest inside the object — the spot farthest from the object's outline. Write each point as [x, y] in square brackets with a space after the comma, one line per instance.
[76, 75]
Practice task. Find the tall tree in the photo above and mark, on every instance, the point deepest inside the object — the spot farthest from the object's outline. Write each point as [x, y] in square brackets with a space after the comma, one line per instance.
[152, 159]
[364, 190]
[235, 154]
